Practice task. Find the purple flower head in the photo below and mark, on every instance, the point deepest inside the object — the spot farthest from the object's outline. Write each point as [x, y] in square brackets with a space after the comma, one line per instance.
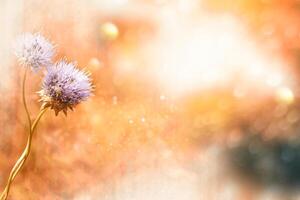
[64, 86]
[33, 50]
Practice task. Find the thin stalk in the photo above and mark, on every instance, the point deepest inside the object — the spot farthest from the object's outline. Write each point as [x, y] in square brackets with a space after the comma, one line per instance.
[31, 127]
[24, 99]
[20, 162]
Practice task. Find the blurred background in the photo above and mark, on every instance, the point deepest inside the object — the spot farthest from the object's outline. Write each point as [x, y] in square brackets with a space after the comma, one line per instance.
[194, 99]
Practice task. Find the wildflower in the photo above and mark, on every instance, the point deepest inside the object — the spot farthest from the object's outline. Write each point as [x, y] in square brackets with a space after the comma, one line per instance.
[33, 50]
[64, 86]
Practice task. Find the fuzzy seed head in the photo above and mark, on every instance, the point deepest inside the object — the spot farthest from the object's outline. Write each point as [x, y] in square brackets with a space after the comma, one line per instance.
[34, 51]
[64, 86]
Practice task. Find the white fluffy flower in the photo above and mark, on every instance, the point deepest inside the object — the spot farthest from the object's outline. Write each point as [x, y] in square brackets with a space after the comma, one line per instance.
[33, 50]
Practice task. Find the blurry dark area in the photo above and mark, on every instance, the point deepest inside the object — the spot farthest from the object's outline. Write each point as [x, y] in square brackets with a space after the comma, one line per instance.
[273, 162]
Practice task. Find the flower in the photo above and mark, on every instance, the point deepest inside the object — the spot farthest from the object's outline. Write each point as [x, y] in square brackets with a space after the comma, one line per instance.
[33, 50]
[64, 86]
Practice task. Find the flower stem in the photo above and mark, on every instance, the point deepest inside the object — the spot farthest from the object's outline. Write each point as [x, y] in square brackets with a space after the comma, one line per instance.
[24, 99]
[20, 162]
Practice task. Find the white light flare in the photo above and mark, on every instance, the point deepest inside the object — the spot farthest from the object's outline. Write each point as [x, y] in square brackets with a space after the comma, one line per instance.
[214, 51]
